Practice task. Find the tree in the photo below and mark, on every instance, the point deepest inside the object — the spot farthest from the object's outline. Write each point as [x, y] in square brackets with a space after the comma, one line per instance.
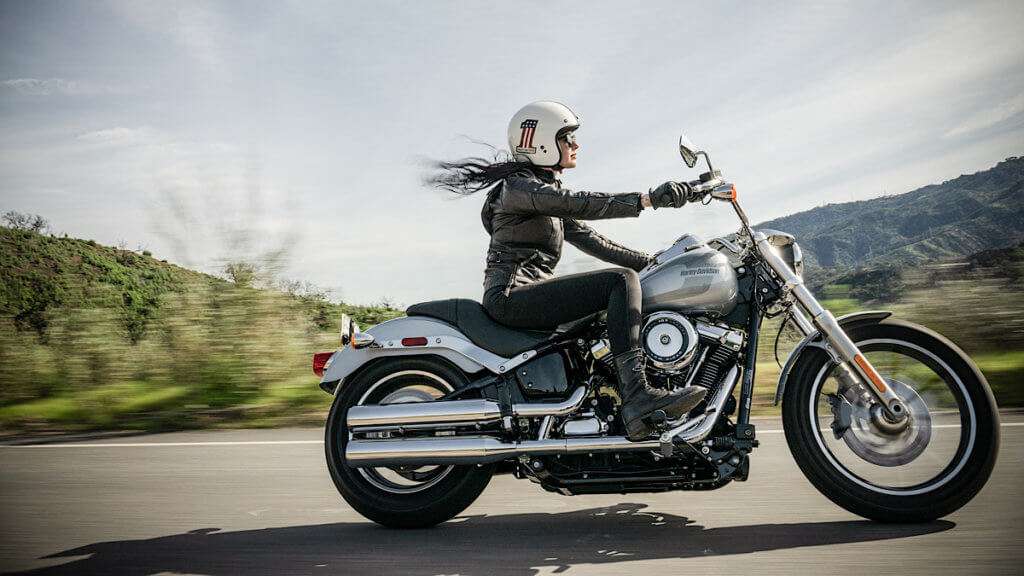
[27, 222]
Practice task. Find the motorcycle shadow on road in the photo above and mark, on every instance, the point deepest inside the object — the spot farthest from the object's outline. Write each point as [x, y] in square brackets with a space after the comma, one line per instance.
[507, 544]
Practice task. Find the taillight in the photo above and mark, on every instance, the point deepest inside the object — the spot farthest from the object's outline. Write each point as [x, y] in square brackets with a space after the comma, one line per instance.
[414, 341]
[320, 362]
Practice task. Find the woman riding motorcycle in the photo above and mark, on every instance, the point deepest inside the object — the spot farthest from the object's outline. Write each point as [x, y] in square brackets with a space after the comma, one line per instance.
[528, 214]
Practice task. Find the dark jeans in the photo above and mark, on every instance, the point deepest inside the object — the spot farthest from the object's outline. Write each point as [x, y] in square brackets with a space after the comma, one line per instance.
[548, 303]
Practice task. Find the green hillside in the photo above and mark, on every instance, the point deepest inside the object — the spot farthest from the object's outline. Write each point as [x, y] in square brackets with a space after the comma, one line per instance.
[99, 337]
[954, 219]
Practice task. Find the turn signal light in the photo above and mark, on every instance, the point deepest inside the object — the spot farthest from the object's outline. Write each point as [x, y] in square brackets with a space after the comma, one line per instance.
[321, 360]
[875, 378]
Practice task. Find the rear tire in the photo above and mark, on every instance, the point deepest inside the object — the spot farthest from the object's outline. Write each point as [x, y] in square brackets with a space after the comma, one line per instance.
[949, 489]
[449, 490]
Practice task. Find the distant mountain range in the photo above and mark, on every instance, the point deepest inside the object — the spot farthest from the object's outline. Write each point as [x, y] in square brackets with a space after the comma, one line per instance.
[957, 218]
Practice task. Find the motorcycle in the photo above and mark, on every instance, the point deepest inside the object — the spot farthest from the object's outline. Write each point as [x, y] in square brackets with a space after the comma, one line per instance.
[888, 419]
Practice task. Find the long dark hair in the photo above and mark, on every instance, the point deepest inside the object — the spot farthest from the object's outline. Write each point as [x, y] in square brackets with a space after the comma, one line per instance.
[470, 175]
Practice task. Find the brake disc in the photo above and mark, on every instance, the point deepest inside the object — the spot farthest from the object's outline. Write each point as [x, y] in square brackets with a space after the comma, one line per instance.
[876, 439]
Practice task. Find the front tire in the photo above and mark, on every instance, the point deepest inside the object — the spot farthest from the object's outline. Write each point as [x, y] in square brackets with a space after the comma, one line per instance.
[894, 481]
[400, 498]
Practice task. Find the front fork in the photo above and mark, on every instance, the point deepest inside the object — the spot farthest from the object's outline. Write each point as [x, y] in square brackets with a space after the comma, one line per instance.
[854, 368]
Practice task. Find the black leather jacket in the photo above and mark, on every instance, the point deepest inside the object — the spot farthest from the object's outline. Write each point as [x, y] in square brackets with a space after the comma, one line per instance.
[528, 215]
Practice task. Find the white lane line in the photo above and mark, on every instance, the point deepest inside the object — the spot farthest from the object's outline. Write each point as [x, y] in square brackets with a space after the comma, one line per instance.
[293, 442]
[1003, 425]
[167, 444]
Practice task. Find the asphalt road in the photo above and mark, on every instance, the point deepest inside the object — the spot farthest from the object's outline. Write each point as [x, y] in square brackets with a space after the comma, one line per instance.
[261, 502]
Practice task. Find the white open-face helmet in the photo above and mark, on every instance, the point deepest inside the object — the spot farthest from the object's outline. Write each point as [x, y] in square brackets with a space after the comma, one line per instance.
[533, 131]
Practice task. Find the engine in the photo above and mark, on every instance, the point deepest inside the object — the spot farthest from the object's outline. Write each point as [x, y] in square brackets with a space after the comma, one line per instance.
[681, 352]
[669, 340]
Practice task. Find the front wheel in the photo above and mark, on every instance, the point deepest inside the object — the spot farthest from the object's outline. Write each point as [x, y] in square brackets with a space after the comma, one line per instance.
[401, 497]
[917, 469]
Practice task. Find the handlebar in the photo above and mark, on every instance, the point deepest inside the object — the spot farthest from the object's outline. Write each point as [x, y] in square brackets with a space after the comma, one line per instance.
[716, 187]
[702, 187]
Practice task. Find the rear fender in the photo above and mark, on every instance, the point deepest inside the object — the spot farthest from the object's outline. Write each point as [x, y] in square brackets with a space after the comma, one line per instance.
[815, 340]
[442, 340]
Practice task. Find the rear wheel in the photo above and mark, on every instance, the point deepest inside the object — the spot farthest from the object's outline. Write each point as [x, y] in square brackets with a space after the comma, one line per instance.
[913, 470]
[401, 497]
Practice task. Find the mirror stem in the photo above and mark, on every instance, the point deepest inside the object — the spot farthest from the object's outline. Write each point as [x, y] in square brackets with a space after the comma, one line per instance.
[708, 160]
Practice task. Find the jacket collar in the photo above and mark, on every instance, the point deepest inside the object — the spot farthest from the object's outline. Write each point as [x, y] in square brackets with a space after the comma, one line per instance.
[548, 177]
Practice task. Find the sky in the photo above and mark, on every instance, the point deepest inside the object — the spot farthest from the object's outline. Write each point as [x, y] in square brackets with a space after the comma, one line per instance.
[297, 133]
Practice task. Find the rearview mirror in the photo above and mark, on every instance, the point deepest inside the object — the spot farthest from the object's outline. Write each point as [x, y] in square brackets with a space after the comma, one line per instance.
[688, 151]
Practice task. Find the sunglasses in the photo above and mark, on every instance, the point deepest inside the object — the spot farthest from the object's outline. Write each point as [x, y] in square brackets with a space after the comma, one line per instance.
[569, 137]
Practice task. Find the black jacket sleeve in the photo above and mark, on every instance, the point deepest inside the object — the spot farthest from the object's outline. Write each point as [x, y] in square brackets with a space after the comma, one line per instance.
[529, 196]
[588, 240]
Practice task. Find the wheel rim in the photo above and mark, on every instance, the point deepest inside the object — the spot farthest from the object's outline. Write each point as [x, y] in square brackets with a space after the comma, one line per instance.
[400, 387]
[928, 452]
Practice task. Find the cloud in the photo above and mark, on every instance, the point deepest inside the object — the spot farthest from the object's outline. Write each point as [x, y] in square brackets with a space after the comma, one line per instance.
[118, 135]
[49, 86]
[989, 117]
[196, 27]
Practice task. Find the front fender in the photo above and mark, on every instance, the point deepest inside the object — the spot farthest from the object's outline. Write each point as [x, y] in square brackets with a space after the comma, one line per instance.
[815, 340]
[453, 346]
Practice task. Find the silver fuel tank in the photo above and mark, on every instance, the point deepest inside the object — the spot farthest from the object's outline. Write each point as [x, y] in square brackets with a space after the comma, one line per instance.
[691, 278]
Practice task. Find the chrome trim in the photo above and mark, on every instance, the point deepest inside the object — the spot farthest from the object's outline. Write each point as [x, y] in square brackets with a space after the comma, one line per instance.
[696, 367]
[346, 329]
[519, 359]
[545, 427]
[589, 426]
[801, 322]
[696, 429]
[731, 338]
[477, 449]
[443, 412]
[686, 326]
[362, 340]
[491, 361]
[734, 248]
[455, 411]
[567, 406]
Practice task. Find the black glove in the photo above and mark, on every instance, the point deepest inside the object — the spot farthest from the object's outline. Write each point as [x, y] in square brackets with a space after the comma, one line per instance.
[669, 195]
[693, 195]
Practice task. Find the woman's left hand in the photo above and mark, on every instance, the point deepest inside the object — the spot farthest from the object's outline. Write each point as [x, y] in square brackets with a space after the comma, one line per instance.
[669, 195]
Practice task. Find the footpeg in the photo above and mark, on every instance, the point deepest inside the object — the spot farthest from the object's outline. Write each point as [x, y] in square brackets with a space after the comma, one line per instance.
[658, 420]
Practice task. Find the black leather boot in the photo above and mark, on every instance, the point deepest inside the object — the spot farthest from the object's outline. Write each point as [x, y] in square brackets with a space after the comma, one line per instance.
[640, 401]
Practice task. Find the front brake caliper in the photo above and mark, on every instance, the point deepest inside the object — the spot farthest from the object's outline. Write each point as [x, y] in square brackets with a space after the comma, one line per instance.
[842, 414]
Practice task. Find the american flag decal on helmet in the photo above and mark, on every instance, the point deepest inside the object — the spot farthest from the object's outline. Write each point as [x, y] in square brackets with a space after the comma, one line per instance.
[526, 138]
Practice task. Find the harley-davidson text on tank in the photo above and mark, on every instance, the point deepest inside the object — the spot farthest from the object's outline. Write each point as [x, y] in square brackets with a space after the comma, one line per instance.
[690, 278]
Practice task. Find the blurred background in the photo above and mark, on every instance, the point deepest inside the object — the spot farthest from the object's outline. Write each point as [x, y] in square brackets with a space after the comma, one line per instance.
[192, 193]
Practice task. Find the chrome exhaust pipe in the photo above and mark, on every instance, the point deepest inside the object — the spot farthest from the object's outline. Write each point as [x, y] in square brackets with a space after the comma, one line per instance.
[698, 428]
[454, 412]
[485, 449]
[477, 449]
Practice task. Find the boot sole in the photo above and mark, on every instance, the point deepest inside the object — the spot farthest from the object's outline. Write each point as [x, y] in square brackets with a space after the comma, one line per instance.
[638, 430]
[641, 428]
[693, 397]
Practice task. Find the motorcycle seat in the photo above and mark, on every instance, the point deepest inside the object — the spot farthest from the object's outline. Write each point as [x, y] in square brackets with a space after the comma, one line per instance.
[470, 317]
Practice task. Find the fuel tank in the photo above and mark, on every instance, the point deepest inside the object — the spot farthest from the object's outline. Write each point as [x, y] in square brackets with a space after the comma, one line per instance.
[691, 278]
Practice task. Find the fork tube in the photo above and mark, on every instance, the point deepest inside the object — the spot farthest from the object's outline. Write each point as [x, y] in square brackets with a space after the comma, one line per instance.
[749, 365]
[826, 323]
[805, 326]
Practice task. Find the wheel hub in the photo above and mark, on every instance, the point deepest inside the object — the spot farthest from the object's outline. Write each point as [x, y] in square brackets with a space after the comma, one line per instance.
[875, 437]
